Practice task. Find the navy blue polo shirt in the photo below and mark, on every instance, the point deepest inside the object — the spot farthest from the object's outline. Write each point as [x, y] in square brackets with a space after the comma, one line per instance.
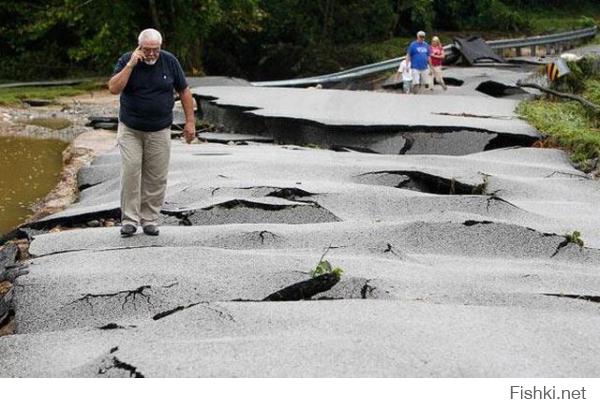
[147, 100]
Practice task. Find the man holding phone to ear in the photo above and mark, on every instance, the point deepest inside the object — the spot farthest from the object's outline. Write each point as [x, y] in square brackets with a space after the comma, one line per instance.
[146, 79]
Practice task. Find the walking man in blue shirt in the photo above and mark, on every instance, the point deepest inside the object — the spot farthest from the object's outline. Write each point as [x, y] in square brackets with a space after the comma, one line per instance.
[146, 79]
[418, 56]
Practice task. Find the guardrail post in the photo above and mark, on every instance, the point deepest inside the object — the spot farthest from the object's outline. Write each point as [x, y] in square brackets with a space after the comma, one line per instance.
[518, 51]
[533, 51]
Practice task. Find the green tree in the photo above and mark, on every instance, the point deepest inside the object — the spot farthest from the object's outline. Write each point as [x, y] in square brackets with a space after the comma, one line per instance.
[250, 38]
[61, 34]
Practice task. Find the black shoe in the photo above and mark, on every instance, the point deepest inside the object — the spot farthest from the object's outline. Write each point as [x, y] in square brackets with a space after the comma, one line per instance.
[128, 230]
[151, 229]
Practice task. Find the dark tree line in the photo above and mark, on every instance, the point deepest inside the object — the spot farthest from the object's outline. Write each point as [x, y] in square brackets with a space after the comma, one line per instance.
[250, 38]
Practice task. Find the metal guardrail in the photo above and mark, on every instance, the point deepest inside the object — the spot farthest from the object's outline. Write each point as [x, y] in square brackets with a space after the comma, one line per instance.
[382, 66]
[351, 73]
[544, 39]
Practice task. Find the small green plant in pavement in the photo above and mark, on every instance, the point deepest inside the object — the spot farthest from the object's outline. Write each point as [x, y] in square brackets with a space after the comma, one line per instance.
[324, 267]
[575, 238]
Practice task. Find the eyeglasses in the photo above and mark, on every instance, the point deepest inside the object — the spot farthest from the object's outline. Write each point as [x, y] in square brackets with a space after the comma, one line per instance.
[150, 50]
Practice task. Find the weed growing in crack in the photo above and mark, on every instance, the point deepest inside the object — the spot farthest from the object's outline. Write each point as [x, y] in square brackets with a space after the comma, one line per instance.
[324, 267]
[575, 238]
[323, 278]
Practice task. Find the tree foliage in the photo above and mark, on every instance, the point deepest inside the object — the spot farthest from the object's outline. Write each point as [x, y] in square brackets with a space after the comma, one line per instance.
[91, 34]
[251, 38]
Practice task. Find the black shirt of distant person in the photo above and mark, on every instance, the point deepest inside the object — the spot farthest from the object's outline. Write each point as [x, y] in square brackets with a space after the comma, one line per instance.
[147, 100]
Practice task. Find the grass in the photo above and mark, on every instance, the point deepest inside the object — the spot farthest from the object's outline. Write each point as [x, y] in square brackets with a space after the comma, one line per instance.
[15, 96]
[566, 124]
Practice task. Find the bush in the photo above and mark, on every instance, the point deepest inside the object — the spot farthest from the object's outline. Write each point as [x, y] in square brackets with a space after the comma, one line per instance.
[585, 21]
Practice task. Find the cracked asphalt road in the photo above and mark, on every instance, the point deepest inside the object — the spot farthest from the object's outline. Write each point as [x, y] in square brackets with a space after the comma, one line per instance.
[454, 266]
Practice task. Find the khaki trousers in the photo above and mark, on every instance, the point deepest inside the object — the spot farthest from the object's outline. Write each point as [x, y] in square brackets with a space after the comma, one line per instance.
[144, 169]
[438, 75]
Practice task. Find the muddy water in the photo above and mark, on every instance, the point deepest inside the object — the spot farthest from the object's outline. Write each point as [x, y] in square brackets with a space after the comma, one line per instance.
[29, 169]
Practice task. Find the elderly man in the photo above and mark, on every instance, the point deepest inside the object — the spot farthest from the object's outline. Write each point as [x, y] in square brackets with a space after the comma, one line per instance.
[417, 56]
[146, 78]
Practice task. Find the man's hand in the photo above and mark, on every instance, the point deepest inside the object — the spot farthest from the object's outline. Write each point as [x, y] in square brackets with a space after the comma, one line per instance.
[189, 132]
[118, 82]
[136, 56]
[187, 102]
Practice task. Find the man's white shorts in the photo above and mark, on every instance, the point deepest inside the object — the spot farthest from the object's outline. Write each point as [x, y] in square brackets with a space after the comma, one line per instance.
[420, 77]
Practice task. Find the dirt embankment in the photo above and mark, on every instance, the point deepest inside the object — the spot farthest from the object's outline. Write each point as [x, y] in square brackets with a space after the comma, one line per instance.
[84, 146]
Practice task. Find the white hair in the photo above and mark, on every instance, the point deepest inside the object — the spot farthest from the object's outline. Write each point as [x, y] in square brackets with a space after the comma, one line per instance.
[150, 34]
